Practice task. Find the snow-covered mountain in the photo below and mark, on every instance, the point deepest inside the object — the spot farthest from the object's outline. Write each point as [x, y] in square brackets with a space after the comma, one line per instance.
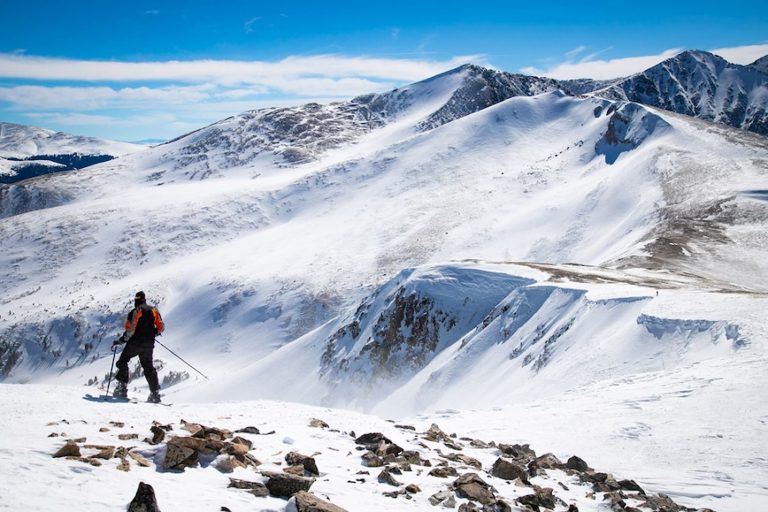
[702, 85]
[27, 151]
[761, 64]
[461, 242]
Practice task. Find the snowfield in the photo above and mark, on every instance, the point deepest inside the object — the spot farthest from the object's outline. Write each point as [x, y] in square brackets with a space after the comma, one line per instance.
[478, 250]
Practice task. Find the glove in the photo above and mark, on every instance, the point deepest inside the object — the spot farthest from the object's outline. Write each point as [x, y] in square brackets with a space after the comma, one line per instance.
[119, 341]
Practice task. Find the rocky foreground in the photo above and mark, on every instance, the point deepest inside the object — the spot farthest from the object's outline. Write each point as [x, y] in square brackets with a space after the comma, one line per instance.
[429, 468]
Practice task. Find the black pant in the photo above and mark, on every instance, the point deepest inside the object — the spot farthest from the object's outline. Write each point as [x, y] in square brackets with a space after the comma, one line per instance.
[145, 358]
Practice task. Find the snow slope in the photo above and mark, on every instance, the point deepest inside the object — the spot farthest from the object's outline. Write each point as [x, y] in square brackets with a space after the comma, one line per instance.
[373, 271]
[19, 141]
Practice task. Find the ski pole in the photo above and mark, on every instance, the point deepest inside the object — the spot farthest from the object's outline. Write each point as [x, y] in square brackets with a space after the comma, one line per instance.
[182, 360]
[114, 353]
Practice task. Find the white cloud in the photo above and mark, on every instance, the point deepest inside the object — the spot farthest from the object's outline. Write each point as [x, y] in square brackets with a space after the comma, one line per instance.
[227, 72]
[590, 67]
[602, 69]
[249, 24]
[742, 54]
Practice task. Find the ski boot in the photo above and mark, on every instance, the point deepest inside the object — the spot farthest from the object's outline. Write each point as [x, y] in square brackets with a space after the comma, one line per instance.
[154, 397]
[121, 390]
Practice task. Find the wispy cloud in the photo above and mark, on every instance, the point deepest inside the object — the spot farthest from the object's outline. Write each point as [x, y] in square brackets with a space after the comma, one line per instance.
[152, 12]
[249, 24]
[602, 69]
[743, 54]
[395, 33]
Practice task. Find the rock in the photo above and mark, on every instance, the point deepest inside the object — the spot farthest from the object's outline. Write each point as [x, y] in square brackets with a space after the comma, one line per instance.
[127, 437]
[548, 461]
[661, 502]
[228, 464]
[285, 485]
[499, 506]
[412, 488]
[471, 486]
[372, 460]
[439, 497]
[577, 464]
[247, 430]
[144, 500]
[508, 470]
[631, 485]
[103, 429]
[117, 424]
[414, 457]
[243, 441]
[373, 438]
[573, 508]
[141, 461]
[450, 502]
[105, 452]
[542, 497]
[178, 456]
[435, 434]
[405, 427]
[383, 449]
[258, 489]
[295, 458]
[385, 477]
[308, 502]
[70, 449]
[158, 435]
[316, 423]
[521, 453]
[468, 507]
[53, 434]
[443, 472]
[477, 443]
[123, 465]
[297, 470]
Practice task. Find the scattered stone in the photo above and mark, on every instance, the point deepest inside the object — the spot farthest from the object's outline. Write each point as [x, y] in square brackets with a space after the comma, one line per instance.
[317, 423]
[309, 464]
[439, 497]
[464, 459]
[53, 434]
[167, 427]
[508, 470]
[144, 500]
[243, 441]
[471, 486]
[573, 508]
[70, 449]
[127, 437]
[78, 439]
[631, 485]
[477, 443]
[548, 461]
[285, 485]
[412, 488]
[499, 506]
[542, 497]
[435, 434]
[450, 502]
[248, 430]
[158, 435]
[105, 452]
[141, 461]
[406, 427]
[258, 489]
[308, 502]
[117, 424]
[577, 464]
[228, 464]
[179, 456]
[521, 453]
[443, 472]
[372, 460]
[385, 477]
[123, 465]
[297, 470]
[372, 438]
[661, 502]
[468, 507]
[104, 429]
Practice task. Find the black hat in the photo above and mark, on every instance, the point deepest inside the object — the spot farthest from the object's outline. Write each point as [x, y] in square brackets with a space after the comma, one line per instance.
[140, 295]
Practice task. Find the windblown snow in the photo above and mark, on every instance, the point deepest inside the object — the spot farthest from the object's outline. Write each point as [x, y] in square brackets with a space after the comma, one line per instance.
[576, 272]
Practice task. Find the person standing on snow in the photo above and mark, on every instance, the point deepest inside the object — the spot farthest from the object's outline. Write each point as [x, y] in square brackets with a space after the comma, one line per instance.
[142, 325]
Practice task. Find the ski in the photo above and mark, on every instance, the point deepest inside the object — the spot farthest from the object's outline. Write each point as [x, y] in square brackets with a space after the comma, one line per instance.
[117, 400]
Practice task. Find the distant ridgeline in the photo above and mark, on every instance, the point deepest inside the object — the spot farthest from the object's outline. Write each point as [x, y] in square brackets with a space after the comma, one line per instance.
[38, 165]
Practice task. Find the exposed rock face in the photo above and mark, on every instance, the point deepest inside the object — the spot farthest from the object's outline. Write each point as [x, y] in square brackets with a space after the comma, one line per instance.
[702, 85]
[144, 500]
[285, 485]
[628, 127]
[308, 502]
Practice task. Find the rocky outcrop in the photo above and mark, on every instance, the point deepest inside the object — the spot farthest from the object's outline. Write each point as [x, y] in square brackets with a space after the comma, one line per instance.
[284, 485]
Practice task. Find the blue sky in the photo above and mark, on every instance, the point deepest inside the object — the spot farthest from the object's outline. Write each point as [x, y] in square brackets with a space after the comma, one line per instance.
[135, 70]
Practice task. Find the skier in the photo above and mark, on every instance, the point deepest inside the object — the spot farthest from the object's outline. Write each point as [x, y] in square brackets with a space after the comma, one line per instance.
[142, 325]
